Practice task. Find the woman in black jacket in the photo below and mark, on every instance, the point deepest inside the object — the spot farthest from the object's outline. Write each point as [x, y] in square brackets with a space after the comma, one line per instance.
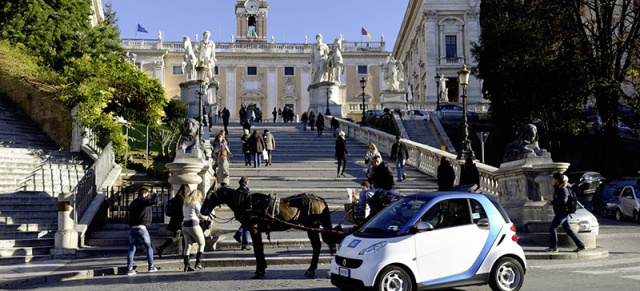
[341, 152]
[320, 124]
[175, 222]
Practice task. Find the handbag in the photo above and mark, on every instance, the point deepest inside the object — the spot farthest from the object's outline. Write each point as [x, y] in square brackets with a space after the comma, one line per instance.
[265, 155]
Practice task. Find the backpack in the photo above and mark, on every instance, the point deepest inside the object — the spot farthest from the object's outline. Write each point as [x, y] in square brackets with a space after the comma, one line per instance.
[571, 205]
[173, 207]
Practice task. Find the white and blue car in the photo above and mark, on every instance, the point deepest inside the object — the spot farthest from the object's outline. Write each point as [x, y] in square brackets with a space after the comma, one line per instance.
[431, 241]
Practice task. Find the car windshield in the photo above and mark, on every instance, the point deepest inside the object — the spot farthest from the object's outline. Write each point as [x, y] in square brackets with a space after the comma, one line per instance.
[611, 193]
[392, 218]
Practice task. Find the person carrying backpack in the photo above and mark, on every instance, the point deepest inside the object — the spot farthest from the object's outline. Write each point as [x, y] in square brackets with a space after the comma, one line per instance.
[174, 210]
[563, 205]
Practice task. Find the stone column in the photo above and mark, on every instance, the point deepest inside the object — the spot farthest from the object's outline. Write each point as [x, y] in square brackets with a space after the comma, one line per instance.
[230, 94]
[471, 34]
[432, 43]
[272, 91]
[305, 80]
[158, 71]
[66, 238]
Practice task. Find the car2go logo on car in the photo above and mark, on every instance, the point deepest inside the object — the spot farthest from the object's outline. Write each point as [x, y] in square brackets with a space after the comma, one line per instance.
[432, 240]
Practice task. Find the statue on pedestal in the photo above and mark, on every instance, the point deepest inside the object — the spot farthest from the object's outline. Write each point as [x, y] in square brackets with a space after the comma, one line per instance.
[526, 144]
[319, 58]
[190, 60]
[335, 64]
[207, 53]
[392, 74]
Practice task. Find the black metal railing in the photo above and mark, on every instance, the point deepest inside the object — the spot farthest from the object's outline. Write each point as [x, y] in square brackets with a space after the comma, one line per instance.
[87, 187]
[118, 200]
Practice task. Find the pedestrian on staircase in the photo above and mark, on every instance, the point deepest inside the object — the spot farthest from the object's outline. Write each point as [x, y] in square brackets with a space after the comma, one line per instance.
[245, 147]
[334, 126]
[341, 153]
[222, 152]
[399, 155]
[368, 160]
[140, 215]
[270, 145]
[304, 119]
[257, 146]
[174, 211]
[381, 174]
[312, 121]
[446, 175]
[242, 235]
[192, 230]
[274, 113]
[279, 114]
[469, 172]
[320, 124]
[225, 119]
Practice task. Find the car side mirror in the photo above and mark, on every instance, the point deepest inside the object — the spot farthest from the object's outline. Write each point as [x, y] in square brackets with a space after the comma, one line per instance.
[424, 226]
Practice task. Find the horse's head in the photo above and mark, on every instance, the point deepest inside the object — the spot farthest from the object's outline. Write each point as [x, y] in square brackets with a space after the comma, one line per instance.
[211, 201]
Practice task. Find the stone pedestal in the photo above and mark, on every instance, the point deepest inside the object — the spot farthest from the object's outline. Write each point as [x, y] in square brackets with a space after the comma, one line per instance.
[66, 238]
[394, 99]
[522, 196]
[189, 95]
[318, 98]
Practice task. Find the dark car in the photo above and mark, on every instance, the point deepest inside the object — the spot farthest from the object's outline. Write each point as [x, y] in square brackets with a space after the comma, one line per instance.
[585, 183]
[374, 114]
[605, 199]
[454, 112]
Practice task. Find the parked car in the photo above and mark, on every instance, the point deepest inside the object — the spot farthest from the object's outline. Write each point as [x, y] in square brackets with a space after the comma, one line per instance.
[432, 240]
[584, 183]
[454, 112]
[585, 219]
[416, 115]
[629, 204]
[595, 126]
[605, 199]
[374, 114]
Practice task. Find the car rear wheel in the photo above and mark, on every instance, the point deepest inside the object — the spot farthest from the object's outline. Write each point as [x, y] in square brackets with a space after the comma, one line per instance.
[506, 275]
[394, 278]
[618, 215]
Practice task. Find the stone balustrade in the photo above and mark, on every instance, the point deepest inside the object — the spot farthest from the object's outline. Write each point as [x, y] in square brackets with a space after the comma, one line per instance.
[423, 157]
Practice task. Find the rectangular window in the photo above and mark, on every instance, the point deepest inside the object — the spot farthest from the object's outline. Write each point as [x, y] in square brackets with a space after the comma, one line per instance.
[451, 46]
[252, 71]
[363, 70]
[216, 71]
[289, 71]
[177, 70]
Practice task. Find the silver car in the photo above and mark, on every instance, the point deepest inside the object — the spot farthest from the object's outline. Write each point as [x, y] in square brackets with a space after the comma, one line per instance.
[585, 219]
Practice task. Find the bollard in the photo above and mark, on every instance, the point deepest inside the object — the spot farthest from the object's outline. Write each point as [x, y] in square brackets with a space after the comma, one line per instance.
[66, 238]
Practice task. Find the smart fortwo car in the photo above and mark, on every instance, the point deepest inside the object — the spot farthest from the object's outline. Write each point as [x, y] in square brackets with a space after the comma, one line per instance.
[431, 241]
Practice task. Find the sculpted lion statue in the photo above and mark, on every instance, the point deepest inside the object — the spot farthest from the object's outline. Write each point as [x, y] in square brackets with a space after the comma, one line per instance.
[189, 135]
[527, 143]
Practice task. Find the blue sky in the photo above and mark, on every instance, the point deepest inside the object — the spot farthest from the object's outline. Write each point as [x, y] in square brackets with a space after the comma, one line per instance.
[288, 20]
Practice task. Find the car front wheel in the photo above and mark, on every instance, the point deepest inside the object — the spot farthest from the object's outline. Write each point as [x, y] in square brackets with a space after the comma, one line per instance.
[636, 217]
[506, 275]
[618, 215]
[394, 278]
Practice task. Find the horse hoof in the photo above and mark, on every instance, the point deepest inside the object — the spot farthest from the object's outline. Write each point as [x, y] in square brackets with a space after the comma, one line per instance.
[310, 274]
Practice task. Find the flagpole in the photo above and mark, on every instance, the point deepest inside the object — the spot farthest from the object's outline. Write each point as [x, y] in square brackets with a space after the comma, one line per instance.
[136, 37]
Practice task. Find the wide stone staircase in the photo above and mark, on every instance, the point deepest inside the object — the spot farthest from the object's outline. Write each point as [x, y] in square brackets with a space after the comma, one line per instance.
[32, 173]
[302, 163]
[429, 132]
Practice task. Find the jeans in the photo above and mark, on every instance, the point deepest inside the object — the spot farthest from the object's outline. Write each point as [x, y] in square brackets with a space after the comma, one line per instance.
[557, 221]
[141, 235]
[334, 129]
[304, 125]
[400, 168]
[244, 235]
[247, 159]
[269, 161]
[256, 159]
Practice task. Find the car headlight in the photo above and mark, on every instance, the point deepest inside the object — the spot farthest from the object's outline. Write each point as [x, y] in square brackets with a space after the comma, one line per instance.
[611, 205]
[373, 249]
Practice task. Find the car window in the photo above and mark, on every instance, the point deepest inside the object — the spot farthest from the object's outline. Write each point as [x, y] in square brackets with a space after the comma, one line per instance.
[477, 211]
[448, 213]
[637, 192]
[392, 218]
[626, 193]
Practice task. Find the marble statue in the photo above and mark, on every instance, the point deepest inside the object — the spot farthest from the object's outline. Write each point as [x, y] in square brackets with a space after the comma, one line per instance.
[381, 37]
[207, 54]
[233, 39]
[305, 39]
[189, 135]
[335, 64]
[131, 57]
[390, 70]
[400, 68]
[526, 144]
[444, 91]
[319, 57]
[272, 38]
[189, 61]
[160, 34]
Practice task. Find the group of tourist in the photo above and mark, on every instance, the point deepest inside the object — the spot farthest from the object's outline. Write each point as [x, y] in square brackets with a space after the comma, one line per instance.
[284, 114]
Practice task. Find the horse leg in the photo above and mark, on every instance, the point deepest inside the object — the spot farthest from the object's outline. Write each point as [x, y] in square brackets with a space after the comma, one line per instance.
[325, 221]
[316, 244]
[258, 252]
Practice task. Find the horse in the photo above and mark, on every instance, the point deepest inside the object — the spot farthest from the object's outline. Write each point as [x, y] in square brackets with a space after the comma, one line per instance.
[190, 59]
[335, 63]
[255, 213]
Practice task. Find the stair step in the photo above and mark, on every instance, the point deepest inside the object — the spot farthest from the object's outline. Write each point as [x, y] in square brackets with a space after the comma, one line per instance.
[23, 259]
[29, 206]
[25, 234]
[24, 251]
[8, 243]
[28, 220]
[29, 227]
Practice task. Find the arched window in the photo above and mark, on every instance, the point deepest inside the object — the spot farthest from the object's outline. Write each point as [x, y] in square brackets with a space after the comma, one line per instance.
[252, 26]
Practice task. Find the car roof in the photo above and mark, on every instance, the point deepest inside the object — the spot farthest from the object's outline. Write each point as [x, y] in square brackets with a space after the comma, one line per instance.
[451, 194]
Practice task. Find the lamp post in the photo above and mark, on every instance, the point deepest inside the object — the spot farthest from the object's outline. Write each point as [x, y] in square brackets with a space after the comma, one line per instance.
[327, 112]
[363, 84]
[201, 69]
[438, 92]
[463, 78]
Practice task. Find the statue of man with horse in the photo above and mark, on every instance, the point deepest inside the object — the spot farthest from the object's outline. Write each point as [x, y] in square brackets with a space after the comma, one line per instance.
[261, 213]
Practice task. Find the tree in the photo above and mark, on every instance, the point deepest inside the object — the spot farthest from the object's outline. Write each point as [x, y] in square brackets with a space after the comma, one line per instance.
[529, 67]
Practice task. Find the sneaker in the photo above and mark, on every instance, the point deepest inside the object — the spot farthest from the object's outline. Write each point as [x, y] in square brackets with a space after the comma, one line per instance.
[579, 249]
[237, 237]
[131, 272]
[248, 248]
[153, 269]
[551, 250]
[404, 176]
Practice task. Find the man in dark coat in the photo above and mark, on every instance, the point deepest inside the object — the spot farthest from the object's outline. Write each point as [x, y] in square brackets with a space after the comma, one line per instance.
[256, 146]
[381, 174]
[341, 152]
[399, 155]
[225, 119]
[140, 215]
[446, 175]
[320, 124]
[469, 173]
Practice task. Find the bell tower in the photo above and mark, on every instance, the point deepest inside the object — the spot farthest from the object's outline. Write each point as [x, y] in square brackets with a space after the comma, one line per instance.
[251, 18]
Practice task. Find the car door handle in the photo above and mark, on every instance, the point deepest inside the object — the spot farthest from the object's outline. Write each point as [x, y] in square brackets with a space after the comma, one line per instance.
[483, 223]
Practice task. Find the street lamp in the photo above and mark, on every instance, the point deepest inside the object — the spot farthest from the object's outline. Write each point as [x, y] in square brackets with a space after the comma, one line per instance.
[363, 84]
[327, 112]
[202, 78]
[463, 78]
[438, 92]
